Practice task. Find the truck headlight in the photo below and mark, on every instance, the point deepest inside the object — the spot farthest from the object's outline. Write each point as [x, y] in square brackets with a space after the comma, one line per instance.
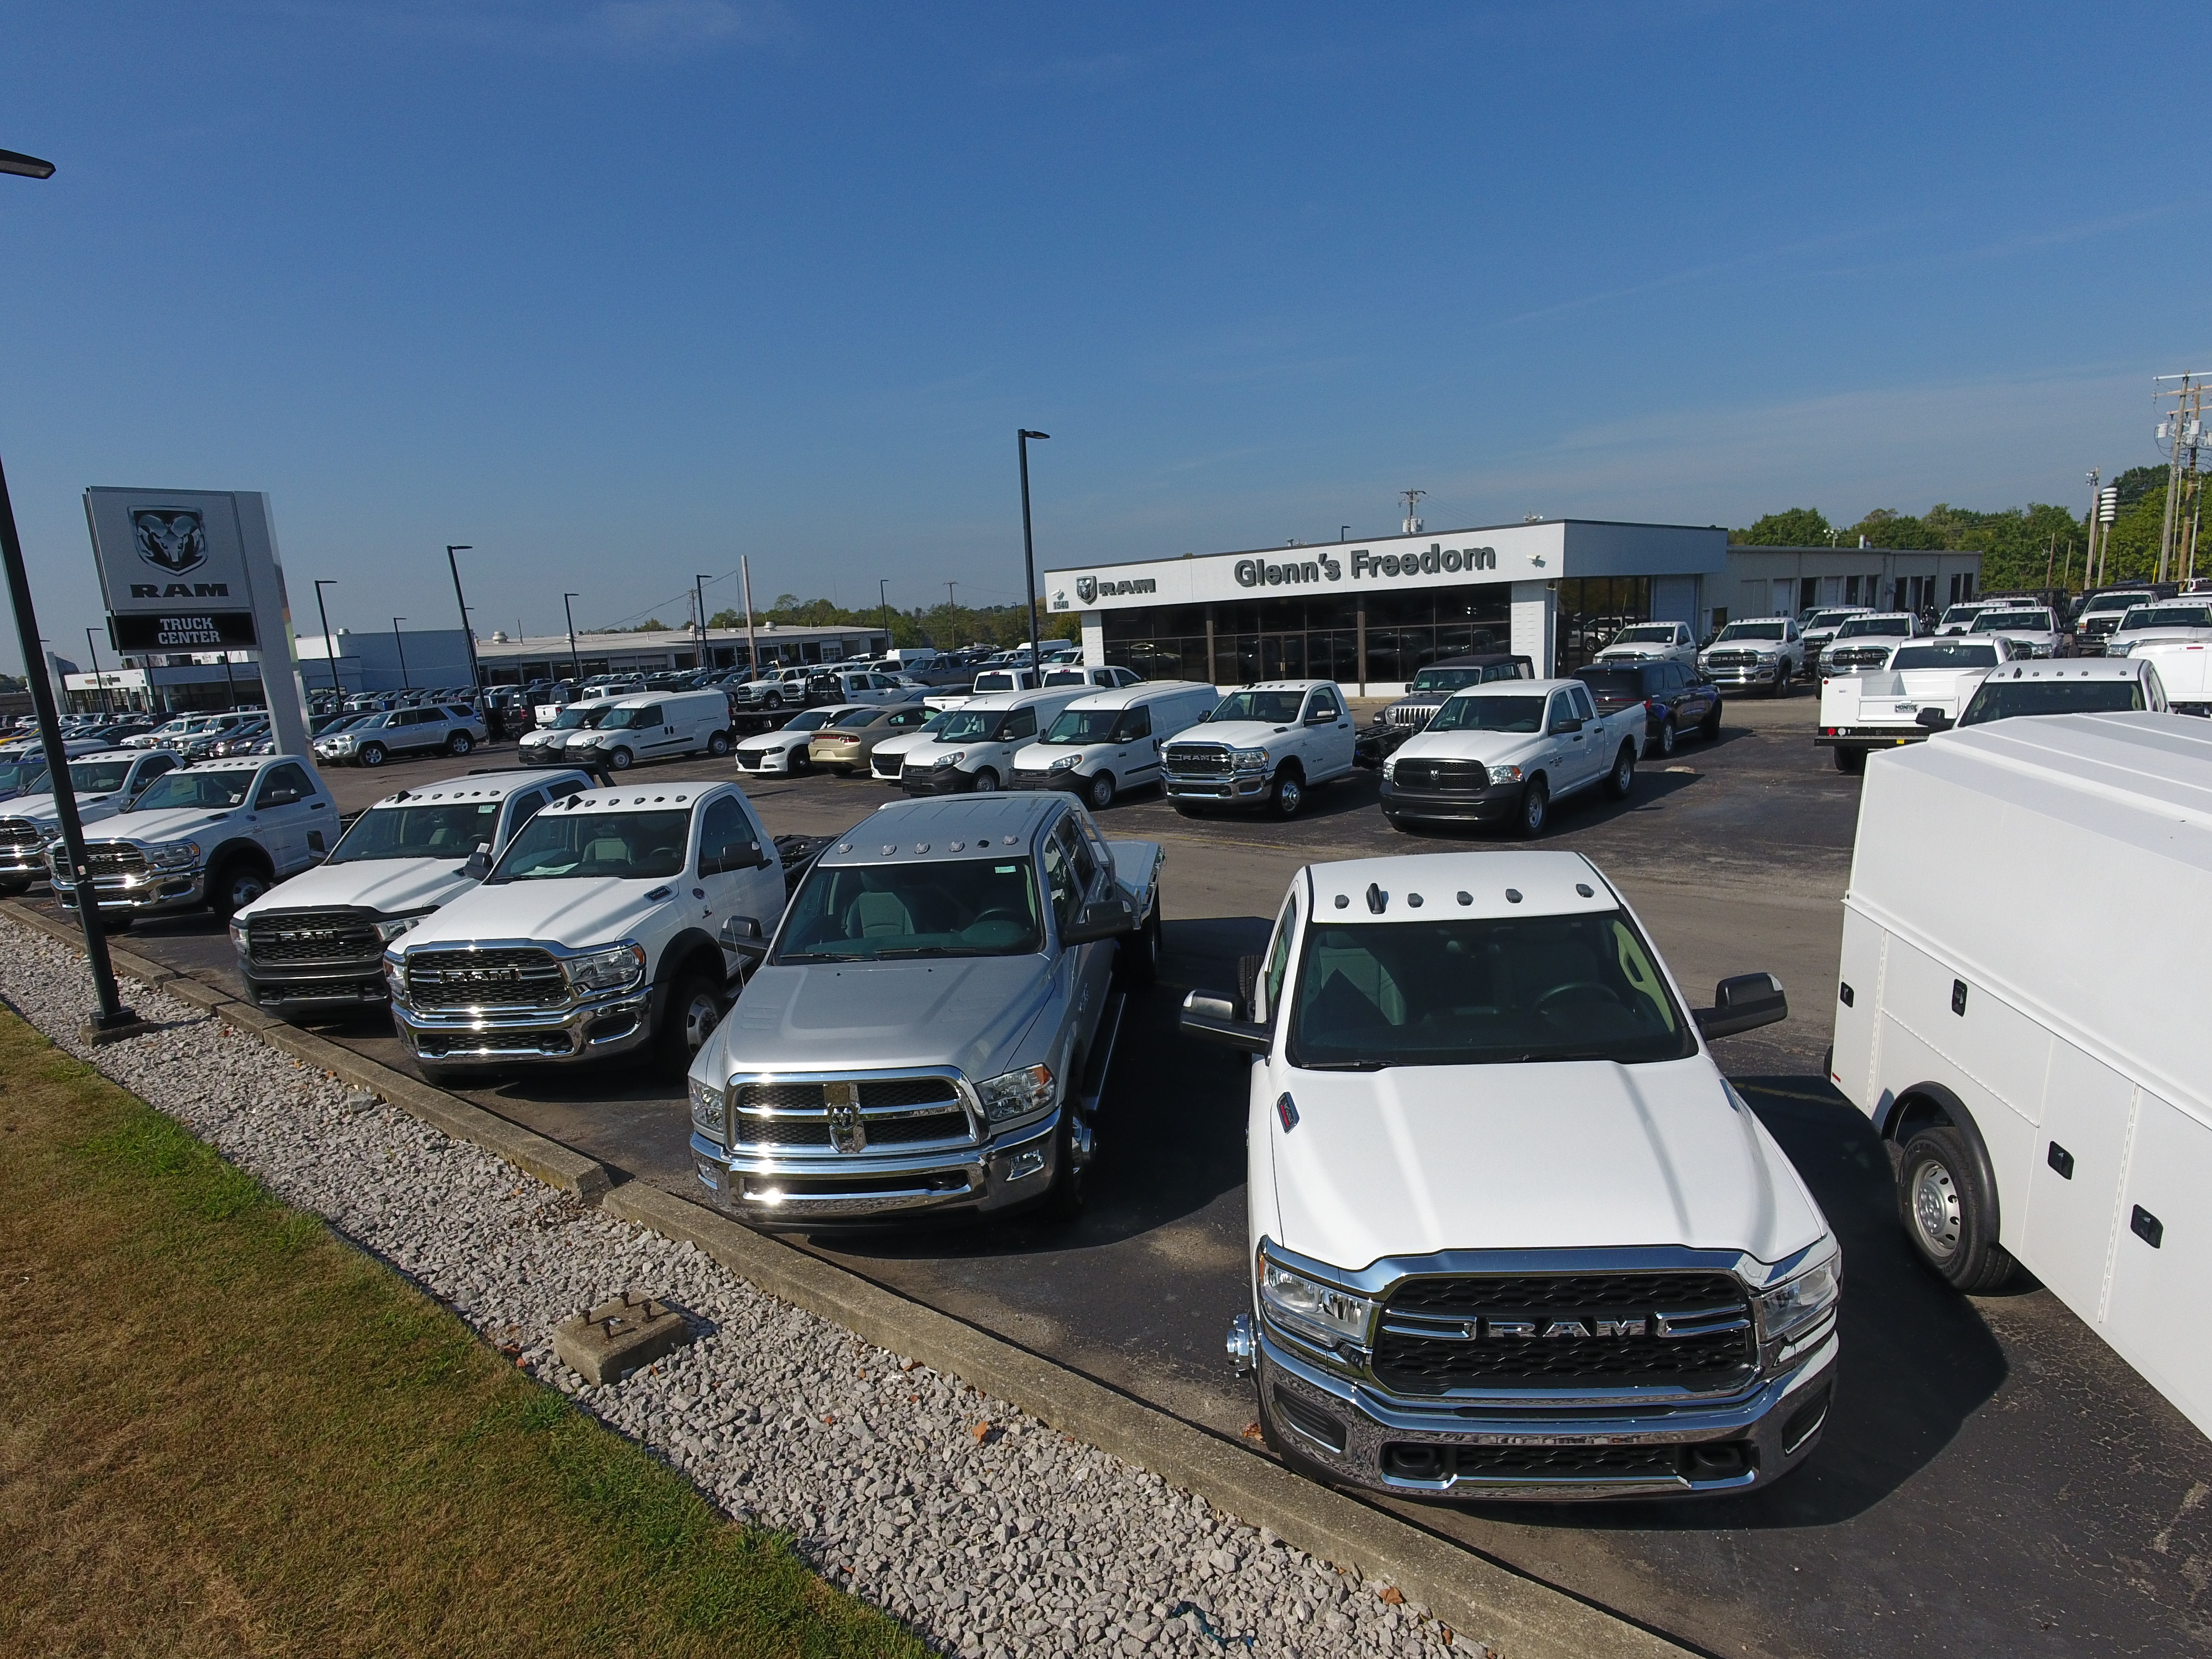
[707, 1108]
[953, 759]
[615, 969]
[174, 855]
[389, 931]
[1248, 760]
[1016, 1094]
[395, 977]
[238, 936]
[1063, 763]
[1321, 1313]
[1390, 768]
[1791, 1313]
[1506, 774]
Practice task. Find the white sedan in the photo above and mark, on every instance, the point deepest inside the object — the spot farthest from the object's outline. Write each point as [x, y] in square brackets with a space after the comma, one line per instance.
[783, 751]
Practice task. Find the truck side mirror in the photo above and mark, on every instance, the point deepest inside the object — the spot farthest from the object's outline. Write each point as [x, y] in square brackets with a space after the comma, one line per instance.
[1743, 1003]
[1566, 723]
[734, 855]
[479, 863]
[741, 936]
[1934, 719]
[1106, 919]
[1212, 1017]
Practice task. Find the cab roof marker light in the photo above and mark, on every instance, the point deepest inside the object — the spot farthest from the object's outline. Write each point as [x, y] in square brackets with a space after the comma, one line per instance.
[1342, 903]
[1464, 898]
[1377, 900]
[1413, 899]
[1583, 888]
[1513, 895]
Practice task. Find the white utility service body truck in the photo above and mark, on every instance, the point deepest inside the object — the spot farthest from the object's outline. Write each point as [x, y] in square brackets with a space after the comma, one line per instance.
[2039, 1073]
[1924, 687]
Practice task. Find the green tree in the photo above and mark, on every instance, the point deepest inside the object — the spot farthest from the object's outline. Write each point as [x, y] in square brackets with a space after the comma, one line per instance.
[1795, 526]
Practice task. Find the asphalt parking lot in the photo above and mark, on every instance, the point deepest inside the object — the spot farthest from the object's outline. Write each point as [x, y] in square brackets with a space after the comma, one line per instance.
[1994, 1480]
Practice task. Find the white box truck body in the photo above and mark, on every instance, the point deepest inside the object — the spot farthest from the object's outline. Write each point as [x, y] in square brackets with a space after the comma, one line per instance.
[2021, 1012]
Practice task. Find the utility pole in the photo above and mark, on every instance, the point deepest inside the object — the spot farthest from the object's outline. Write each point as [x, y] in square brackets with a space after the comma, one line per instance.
[1029, 551]
[699, 600]
[2184, 429]
[884, 596]
[575, 662]
[402, 647]
[329, 646]
[2096, 501]
[753, 645]
[468, 633]
[1412, 500]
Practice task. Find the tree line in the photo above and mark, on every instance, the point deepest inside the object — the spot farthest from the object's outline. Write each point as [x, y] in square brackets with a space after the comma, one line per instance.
[2029, 546]
[945, 626]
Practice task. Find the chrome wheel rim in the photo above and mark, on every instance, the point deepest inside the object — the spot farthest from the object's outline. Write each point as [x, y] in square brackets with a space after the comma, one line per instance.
[699, 1019]
[1935, 1209]
[243, 889]
[985, 783]
[1667, 738]
[1289, 792]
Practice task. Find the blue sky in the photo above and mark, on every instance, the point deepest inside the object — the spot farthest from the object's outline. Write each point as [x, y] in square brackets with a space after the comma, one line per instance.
[617, 290]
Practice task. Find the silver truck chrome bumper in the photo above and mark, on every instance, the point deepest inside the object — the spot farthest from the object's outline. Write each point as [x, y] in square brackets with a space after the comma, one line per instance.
[1009, 1169]
[1443, 1449]
[611, 1024]
[149, 893]
[1251, 786]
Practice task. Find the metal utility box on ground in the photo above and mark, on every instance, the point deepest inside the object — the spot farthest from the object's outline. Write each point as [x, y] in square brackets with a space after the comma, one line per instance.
[2024, 950]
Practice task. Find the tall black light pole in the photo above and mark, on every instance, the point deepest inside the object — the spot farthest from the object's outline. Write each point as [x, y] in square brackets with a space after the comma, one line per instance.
[575, 662]
[468, 633]
[1029, 551]
[884, 593]
[402, 645]
[99, 684]
[699, 598]
[111, 1019]
[330, 645]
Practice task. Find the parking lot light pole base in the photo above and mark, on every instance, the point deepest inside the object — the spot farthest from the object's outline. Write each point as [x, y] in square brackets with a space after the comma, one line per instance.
[124, 1023]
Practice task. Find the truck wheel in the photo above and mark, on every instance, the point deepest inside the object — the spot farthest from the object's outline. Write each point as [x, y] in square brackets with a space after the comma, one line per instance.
[371, 754]
[619, 760]
[1947, 1215]
[1071, 1187]
[771, 700]
[233, 884]
[1288, 795]
[1622, 779]
[985, 782]
[692, 1010]
[460, 744]
[1663, 745]
[1536, 809]
[1781, 686]
[1851, 760]
[1184, 809]
[1100, 794]
[719, 744]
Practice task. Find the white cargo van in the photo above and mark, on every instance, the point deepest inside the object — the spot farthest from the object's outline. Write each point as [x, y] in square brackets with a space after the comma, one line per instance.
[661, 725]
[2037, 1071]
[974, 748]
[1108, 741]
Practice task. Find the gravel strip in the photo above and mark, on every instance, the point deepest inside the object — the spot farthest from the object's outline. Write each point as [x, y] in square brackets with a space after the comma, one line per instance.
[985, 1531]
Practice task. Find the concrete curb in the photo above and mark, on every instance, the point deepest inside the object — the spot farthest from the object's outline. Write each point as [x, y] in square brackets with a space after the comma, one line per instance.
[1519, 1617]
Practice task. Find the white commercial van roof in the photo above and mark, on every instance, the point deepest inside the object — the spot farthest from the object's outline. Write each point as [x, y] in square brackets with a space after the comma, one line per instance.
[2066, 861]
[1143, 693]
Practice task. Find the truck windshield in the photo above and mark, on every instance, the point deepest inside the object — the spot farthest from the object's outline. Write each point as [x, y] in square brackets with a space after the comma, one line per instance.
[1268, 707]
[1479, 993]
[882, 912]
[1835, 618]
[23, 777]
[1466, 714]
[576, 719]
[1990, 620]
[2168, 616]
[450, 829]
[620, 720]
[1647, 633]
[101, 777]
[1859, 628]
[1444, 680]
[175, 791]
[1078, 725]
[971, 725]
[597, 846]
[1948, 654]
[1998, 700]
[1761, 630]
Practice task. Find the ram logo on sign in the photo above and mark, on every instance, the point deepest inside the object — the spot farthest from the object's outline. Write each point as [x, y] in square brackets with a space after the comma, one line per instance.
[1090, 588]
[171, 538]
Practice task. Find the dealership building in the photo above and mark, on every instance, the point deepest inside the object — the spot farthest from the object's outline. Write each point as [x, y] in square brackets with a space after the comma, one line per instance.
[1370, 614]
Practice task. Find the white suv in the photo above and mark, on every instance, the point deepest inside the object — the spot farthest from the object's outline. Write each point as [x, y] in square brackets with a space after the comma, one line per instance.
[613, 922]
[431, 728]
[1264, 746]
[1512, 1234]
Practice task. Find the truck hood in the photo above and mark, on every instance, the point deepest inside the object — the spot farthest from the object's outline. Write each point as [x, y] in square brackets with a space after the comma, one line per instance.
[575, 911]
[1237, 734]
[1493, 748]
[390, 887]
[1634, 653]
[176, 823]
[1416, 1159]
[968, 1011]
[39, 809]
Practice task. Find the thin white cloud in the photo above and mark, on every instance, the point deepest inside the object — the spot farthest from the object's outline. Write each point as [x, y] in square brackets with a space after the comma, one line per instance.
[621, 28]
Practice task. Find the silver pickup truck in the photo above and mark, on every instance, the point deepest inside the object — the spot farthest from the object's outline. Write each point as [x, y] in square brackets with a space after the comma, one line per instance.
[931, 1024]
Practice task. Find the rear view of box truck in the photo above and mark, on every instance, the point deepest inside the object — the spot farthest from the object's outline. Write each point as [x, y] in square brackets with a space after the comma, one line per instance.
[2023, 1012]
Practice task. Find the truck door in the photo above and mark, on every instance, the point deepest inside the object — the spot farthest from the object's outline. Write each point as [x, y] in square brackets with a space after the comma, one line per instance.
[1600, 741]
[2159, 1254]
[1136, 754]
[1328, 735]
[282, 815]
[1073, 878]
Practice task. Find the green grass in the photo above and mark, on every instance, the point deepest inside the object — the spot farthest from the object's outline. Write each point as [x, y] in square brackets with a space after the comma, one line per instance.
[223, 1430]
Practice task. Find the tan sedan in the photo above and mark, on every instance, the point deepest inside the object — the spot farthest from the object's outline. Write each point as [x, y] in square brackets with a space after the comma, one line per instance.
[845, 743]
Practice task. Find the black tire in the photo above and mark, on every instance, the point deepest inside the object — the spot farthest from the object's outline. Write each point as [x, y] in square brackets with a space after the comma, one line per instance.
[234, 884]
[985, 782]
[1399, 822]
[441, 1077]
[802, 760]
[1536, 809]
[684, 1022]
[1070, 1193]
[117, 924]
[460, 744]
[1948, 1214]
[1184, 809]
[1851, 760]
[1099, 791]
[371, 754]
[620, 760]
[1621, 782]
[771, 700]
[14, 889]
[1781, 686]
[1709, 727]
[718, 744]
[1663, 746]
[1287, 797]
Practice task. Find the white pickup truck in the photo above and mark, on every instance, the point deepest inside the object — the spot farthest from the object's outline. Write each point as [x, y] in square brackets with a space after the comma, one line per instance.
[1264, 746]
[105, 782]
[1505, 751]
[1924, 687]
[613, 921]
[2177, 634]
[1511, 1233]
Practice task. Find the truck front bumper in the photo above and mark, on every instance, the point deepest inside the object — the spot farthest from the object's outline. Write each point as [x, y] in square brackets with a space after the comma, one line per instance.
[22, 863]
[936, 780]
[611, 1025]
[1234, 789]
[148, 893]
[1440, 1449]
[1737, 677]
[319, 989]
[1491, 804]
[1012, 1168]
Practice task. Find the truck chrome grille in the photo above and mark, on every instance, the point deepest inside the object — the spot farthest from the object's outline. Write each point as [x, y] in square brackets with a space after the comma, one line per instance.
[1411, 715]
[1197, 760]
[106, 858]
[313, 936]
[21, 835]
[1691, 1330]
[1440, 775]
[525, 978]
[893, 1112]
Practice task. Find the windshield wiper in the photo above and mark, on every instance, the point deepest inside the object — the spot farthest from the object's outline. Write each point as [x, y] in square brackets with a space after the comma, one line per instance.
[1341, 1065]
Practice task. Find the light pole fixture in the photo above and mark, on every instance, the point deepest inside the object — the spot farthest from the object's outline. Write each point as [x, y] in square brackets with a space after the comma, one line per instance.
[402, 645]
[1029, 551]
[468, 633]
[111, 1019]
[1344, 534]
[575, 664]
[330, 645]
